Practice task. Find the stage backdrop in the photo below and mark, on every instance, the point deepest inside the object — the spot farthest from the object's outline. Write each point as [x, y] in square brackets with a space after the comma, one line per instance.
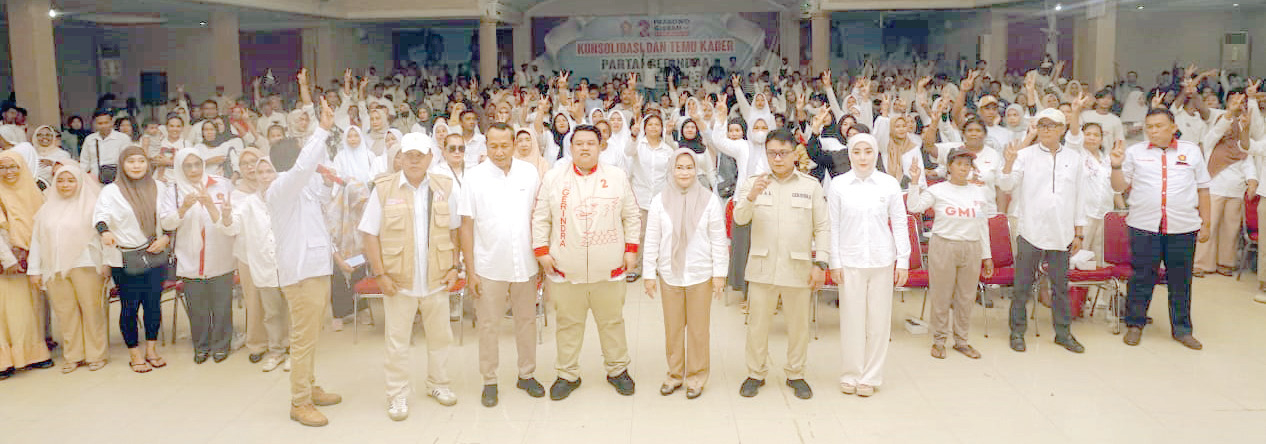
[596, 47]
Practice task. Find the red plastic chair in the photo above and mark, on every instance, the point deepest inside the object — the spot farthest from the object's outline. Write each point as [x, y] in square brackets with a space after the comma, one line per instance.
[1003, 259]
[1248, 234]
[367, 288]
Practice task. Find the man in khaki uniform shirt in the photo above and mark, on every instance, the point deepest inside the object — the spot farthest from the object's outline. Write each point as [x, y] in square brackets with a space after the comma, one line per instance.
[585, 230]
[788, 214]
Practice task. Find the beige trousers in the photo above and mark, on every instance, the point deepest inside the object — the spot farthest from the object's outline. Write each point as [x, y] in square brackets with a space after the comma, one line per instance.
[687, 317]
[308, 301]
[953, 274]
[1261, 263]
[1224, 226]
[400, 311]
[865, 323]
[490, 306]
[80, 307]
[256, 335]
[762, 301]
[572, 304]
[21, 340]
[1094, 239]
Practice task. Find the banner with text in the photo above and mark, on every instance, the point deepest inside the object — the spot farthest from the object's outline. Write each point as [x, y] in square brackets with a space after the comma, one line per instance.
[599, 47]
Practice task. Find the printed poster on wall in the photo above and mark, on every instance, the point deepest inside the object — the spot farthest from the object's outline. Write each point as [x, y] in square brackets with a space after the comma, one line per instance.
[598, 47]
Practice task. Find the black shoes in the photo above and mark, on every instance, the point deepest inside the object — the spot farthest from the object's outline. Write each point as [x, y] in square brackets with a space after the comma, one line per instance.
[750, 387]
[562, 388]
[533, 388]
[489, 397]
[6, 373]
[1017, 343]
[1070, 343]
[623, 383]
[47, 363]
[256, 357]
[201, 357]
[802, 388]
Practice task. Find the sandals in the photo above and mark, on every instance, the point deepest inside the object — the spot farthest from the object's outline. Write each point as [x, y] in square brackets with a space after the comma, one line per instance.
[71, 366]
[94, 366]
[156, 361]
[140, 367]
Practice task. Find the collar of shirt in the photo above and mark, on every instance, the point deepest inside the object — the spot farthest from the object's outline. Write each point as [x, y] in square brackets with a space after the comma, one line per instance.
[858, 179]
[578, 171]
[404, 182]
[1173, 145]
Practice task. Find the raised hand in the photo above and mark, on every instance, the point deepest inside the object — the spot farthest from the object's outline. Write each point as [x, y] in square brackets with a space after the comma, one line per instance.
[1158, 100]
[1118, 154]
[325, 117]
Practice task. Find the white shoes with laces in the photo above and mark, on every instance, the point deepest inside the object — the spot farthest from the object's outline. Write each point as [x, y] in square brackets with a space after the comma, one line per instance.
[399, 408]
[273, 361]
[444, 396]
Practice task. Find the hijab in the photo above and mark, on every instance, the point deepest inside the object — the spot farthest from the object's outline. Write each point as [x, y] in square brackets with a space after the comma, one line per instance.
[19, 202]
[141, 194]
[534, 157]
[65, 224]
[685, 207]
[185, 186]
[355, 162]
[694, 144]
[560, 138]
[292, 125]
[220, 136]
[244, 184]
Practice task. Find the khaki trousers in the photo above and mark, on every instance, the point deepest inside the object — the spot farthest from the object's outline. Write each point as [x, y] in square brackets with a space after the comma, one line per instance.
[276, 322]
[80, 307]
[490, 306]
[400, 311]
[21, 341]
[762, 300]
[953, 274]
[256, 335]
[1224, 225]
[308, 301]
[687, 317]
[865, 323]
[1094, 239]
[572, 304]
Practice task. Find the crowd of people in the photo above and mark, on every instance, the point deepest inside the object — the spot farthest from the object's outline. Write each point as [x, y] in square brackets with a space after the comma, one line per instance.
[565, 190]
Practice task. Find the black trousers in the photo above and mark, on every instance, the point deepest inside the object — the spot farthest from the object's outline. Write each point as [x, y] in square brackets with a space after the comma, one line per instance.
[136, 292]
[1147, 251]
[1028, 259]
[341, 291]
[210, 303]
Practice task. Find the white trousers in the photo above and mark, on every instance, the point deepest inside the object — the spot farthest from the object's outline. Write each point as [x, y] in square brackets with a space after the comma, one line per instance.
[865, 323]
[439, 339]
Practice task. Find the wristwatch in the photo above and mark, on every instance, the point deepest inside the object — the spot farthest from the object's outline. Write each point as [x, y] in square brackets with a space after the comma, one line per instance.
[822, 265]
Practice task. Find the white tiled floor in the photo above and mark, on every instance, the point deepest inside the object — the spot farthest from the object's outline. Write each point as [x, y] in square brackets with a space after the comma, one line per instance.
[1157, 392]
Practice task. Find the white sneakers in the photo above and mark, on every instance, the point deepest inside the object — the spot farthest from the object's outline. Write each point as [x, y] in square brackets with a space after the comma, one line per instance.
[848, 389]
[1260, 298]
[399, 408]
[273, 361]
[444, 396]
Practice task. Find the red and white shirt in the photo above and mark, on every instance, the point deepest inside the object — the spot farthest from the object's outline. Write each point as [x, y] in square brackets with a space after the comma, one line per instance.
[1164, 183]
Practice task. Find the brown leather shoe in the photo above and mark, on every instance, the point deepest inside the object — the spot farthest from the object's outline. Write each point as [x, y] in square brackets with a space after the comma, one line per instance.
[1189, 341]
[308, 415]
[321, 398]
[967, 351]
[938, 351]
[1133, 335]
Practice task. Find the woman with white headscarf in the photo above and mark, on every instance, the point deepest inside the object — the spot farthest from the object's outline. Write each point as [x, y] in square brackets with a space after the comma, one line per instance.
[204, 255]
[218, 150]
[686, 259]
[870, 252]
[354, 160]
[354, 165]
[49, 152]
[386, 163]
[66, 260]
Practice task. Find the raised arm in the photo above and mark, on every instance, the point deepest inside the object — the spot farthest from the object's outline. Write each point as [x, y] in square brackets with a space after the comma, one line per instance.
[290, 183]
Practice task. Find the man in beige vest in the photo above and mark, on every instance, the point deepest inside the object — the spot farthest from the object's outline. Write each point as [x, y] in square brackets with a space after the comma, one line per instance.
[585, 231]
[788, 259]
[410, 228]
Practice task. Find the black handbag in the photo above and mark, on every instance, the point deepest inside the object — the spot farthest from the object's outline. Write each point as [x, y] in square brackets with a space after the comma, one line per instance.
[140, 260]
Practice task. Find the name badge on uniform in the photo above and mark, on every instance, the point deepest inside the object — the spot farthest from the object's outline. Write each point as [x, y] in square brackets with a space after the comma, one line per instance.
[1182, 159]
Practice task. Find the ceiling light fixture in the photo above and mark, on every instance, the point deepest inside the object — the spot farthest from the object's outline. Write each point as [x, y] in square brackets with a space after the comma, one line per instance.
[203, 23]
[52, 13]
[1059, 7]
[1140, 7]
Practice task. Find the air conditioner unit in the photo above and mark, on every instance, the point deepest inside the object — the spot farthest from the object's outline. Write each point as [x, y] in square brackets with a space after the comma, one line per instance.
[1236, 52]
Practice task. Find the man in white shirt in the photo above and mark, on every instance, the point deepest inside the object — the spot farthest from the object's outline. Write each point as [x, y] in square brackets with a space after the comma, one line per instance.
[476, 148]
[1046, 181]
[496, 240]
[100, 153]
[1169, 209]
[295, 200]
[409, 228]
[1113, 130]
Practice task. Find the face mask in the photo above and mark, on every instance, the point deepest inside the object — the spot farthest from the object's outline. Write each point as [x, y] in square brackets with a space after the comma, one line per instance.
[758, 136]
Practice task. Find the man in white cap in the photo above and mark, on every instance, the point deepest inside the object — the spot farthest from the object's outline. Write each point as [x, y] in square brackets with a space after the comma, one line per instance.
[1046, 182]
[410, 229]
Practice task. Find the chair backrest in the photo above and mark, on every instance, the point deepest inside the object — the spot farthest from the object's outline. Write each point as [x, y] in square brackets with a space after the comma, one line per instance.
[1000, 241]
[1116, 239]
[912, 229]
[1250, 213]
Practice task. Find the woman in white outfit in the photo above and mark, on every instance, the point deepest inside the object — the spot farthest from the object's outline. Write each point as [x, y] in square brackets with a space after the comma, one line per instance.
[870, 255]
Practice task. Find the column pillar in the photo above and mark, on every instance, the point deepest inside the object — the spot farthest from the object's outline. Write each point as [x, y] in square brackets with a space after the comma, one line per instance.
[522, 42]
[319, 55]
[228, 56]
[1103, 40]
[35, 78]
[487, 50]
[821, 44]
[789, 38]
[993, 46]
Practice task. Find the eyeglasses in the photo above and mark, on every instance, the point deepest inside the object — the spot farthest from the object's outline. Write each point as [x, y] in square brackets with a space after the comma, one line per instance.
[10, 167]
[1049, 126]
[456, 148]
[779, 154]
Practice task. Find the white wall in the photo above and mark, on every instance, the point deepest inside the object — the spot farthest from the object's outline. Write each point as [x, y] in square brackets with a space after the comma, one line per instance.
[1150, 42]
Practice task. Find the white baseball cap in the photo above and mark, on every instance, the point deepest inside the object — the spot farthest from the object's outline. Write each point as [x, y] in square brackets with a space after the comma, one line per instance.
[1054, 114]
[415, 142]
